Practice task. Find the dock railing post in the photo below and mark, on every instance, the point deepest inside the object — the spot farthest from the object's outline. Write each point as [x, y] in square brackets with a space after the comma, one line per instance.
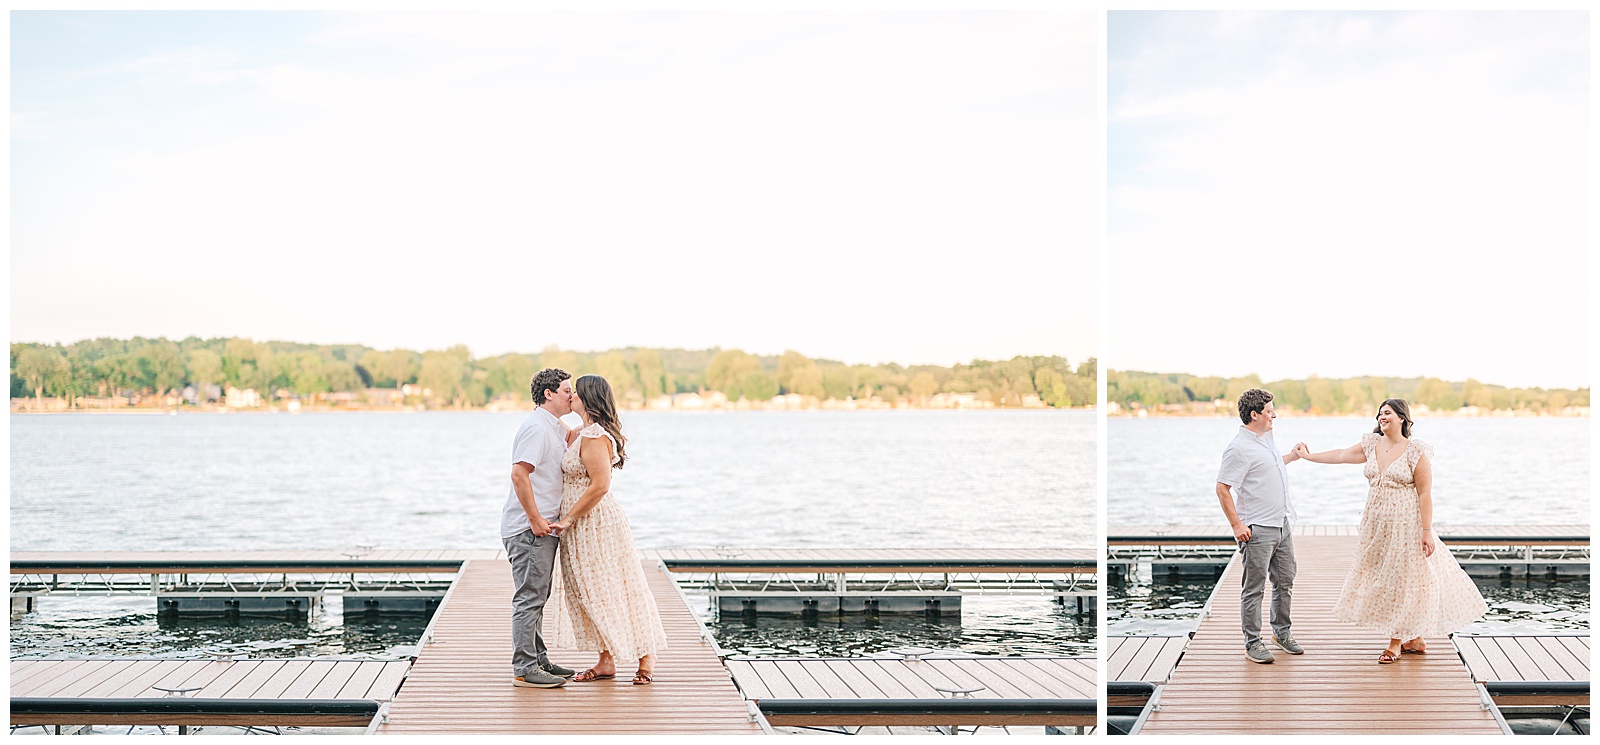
[378, 719]
[1487, 703]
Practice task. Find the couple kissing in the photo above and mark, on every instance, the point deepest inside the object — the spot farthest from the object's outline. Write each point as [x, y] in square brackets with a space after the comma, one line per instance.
[560, 507]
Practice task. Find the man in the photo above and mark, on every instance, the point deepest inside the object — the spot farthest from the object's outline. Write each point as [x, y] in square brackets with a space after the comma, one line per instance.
[1253, 487]
[534, 503]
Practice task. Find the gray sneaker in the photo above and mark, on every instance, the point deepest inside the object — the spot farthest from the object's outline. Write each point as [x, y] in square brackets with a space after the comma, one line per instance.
[1258, 652]
[1288, 644]
[538, 679]
[556, 670]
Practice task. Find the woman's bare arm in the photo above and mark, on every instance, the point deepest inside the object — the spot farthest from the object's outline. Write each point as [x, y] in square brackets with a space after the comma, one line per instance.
[1352, 454]
[1422, 478]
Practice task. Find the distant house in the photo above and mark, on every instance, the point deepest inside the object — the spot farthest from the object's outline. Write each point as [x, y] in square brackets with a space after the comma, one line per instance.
[245, 399]
[385, 397]
[958, 401]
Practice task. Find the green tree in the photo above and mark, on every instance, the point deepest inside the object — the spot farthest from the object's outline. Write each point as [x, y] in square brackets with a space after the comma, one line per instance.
[923, 385]
[162, 366]
[729, 370]
[1323, 398]
[341, 376]
[205, 368]
[1052, 387]
[306, 376]
[797, 373]
[1355, 396]
[444, 372]
[1477, 394]
[1206, 389]
[1437, 395]
[653, 377]
[623, 379]
[1287, 394]
[41, 368]
[838, 381]
[554, 356]
[1237, 387]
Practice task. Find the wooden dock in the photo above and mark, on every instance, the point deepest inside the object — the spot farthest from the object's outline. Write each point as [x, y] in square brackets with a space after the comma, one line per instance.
[952, 691]
[461, 680]
[321, 692]
[1142, 659]
[1336, 687]
[1523, 670]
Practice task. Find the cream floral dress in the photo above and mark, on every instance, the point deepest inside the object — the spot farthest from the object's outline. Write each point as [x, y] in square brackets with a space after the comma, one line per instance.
[1393, 587]
[605, 598]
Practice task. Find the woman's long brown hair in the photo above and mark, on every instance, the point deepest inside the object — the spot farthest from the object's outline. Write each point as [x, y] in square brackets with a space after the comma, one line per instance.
[602, 408]
[1397, 405]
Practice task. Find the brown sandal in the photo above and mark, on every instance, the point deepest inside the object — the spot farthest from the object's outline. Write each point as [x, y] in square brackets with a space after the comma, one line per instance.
[643, 678]
[1385, 657]
[590, 675]
[1416, 650]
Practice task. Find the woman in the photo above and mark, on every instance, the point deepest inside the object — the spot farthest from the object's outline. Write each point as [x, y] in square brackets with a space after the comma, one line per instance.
[607, 602]
[1403, 581]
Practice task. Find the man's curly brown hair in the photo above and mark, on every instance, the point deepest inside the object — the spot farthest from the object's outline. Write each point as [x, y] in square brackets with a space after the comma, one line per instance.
[548, 379]
[1251, 401]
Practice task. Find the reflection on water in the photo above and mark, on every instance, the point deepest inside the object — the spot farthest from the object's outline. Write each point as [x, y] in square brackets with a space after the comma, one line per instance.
[987, 626]
[1142, 606]
[129, 627]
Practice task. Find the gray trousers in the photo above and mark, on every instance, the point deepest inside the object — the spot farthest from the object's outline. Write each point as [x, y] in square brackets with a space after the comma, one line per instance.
[1269, 554]
[533, 563]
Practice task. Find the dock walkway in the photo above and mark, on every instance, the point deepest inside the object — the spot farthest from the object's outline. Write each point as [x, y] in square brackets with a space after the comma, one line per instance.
[1336, 687]
[460, 682]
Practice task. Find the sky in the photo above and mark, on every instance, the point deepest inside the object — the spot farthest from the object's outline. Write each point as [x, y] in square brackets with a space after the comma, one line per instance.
[1343, 194]
[867, 187]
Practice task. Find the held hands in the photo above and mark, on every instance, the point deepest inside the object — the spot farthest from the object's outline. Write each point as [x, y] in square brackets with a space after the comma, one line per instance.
[559, 527]
[1301, 451]
[541, 528]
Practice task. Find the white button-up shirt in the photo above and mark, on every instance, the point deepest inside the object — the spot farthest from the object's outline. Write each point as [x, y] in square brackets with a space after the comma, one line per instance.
[540, 442]
[1254, 468]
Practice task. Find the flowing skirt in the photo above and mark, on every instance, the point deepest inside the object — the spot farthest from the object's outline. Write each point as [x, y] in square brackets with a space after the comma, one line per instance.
[1395, 589]
[605, 596]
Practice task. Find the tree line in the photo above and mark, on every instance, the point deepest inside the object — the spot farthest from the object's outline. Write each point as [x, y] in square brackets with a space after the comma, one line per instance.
[1135, 390]
[135, 367]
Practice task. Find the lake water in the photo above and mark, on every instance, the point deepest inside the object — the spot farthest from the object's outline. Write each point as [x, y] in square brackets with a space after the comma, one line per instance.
[1163, 471]
[915, 479]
